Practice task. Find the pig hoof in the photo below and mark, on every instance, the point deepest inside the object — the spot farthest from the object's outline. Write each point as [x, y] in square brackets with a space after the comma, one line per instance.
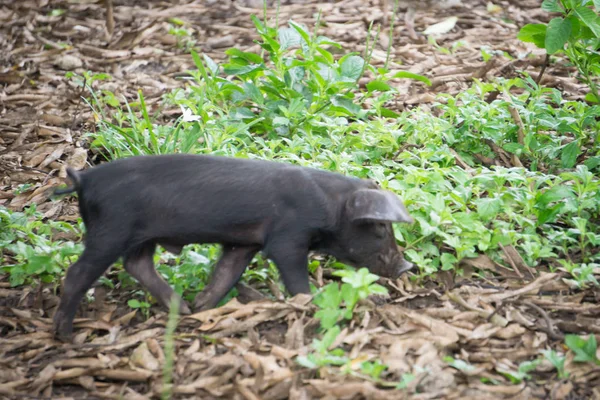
[62, 330]
[184, 309]
[201, 303]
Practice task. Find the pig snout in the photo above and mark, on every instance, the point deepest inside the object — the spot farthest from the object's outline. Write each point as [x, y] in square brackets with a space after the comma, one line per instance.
[392, 265]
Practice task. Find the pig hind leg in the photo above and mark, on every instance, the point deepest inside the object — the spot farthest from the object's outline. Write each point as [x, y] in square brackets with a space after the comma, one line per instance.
[139, 263]
[96, 258]
[227, 273]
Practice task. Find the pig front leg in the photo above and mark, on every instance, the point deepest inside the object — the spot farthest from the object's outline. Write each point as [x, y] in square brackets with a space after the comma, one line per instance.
[227, 273]
[140, 265]
[291, 257]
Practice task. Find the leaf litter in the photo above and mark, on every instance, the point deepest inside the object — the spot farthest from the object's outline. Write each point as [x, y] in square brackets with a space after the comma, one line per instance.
[461, 337]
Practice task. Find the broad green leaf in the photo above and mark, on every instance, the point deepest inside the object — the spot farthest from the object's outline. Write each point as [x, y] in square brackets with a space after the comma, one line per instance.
[346, 104]
[597, 5]
[330, 297]
[352, 67]
[328, 317]
[249, 57]
[411, 75]
[133, 303]
[306, 361]
[212, 66]
[289, 37]
[592, 162]
[300, 31]
[37, 264]
[585, 350]
[448, 261]
[327, 55]
[378, 85]
[590, 18]
[533, 33]
[330, 337]
[569, 154]
[488, 208]
[242, 70]
[555, 193]
[551, 6]
[557, 34]
[387, 113]
[592, 98]
[548, 214]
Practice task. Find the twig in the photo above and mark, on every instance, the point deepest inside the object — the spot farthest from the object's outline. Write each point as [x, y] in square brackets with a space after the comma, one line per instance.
[110, 19]
[521, 128]
[544, 66]
[549, 328]
[511, 261]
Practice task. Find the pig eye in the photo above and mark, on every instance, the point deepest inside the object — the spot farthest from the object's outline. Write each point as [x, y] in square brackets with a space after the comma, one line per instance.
[380, 230]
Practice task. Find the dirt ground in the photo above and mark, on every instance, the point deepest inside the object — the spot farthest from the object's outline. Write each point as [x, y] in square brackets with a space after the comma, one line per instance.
[247, 351]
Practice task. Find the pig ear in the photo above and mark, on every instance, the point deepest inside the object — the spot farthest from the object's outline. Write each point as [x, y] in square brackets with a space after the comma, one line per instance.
[377, 205]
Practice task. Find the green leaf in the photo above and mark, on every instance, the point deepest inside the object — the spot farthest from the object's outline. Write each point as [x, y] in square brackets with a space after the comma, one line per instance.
[411, 75]
[548, 214]
[352, 67]
[592, 162]
[133, 303]
[252, 58]
[387, 113]
[330, 297]
[37, 264]
[555, 193]
[328, 317]
[327, 55]
[301, 31]
[346, 104]
[557, 34]
[289, 37]
[378, 85]
[590, 18]
[448, 261]
[212, 66]
[533, 33]
[551, 6]
[592, 98]
[569, 155]
[597, 5]
[306, 361]
[330, 337]
[242, 70]
[488, 208]
[585, 350]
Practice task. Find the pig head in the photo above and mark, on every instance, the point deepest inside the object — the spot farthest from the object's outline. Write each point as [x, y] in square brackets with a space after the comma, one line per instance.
[130, 206]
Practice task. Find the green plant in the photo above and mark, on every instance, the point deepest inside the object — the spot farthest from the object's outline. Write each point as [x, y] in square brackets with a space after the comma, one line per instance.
[337, 302]
[522, 372]
[144, 306]
[576, 33]
[29, 250]
[585, 350]
[558, 361]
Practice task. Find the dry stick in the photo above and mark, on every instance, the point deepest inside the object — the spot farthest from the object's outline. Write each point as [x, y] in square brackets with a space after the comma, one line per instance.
[78, 103]
[510, 261]
[549, 328]
[539, 77]
[110, 19]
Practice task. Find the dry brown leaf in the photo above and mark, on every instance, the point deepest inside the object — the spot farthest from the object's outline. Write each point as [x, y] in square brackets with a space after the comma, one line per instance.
[143, 358]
